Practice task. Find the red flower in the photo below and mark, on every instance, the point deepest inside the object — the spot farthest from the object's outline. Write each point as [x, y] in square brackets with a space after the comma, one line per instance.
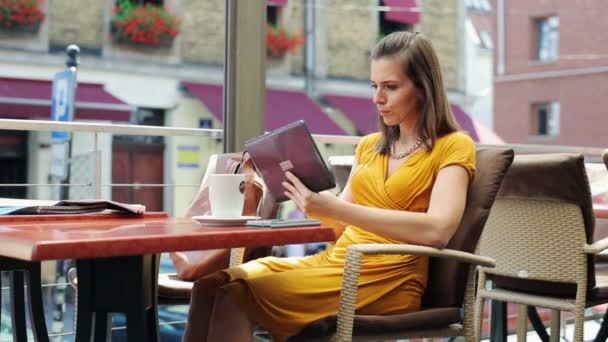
[147, 24]
[21, 13]
[279, 41]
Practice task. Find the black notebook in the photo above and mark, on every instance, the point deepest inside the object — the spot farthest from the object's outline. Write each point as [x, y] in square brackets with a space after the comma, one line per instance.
[289, 148]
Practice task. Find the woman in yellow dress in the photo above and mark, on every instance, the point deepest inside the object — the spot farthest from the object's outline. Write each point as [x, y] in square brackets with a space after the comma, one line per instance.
[408, 185]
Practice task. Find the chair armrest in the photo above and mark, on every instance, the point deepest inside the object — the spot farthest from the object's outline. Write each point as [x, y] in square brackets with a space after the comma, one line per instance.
[596, 247]
[424, 251]
[352, 270]
[236, 256]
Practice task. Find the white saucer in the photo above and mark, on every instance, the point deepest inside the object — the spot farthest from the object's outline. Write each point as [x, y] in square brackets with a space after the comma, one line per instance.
[208, 220]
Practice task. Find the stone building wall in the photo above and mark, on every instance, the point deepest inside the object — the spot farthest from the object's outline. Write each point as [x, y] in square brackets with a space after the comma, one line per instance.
[84, 29]
[293, 18]
[202, 33]
[441, 24]
[350, 33]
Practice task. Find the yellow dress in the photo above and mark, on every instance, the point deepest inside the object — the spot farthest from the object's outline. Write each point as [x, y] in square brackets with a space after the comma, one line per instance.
[284, 295]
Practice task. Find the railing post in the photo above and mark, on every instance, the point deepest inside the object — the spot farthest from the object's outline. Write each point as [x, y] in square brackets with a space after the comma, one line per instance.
[96, 168]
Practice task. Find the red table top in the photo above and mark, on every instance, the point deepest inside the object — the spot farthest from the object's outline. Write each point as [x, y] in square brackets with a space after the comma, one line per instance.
[50, 237]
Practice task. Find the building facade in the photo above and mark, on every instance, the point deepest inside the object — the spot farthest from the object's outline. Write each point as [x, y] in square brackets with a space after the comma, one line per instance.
[551, 63]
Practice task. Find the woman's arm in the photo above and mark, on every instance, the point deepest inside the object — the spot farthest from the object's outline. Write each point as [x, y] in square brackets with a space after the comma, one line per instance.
[433, 228]
[345, 195]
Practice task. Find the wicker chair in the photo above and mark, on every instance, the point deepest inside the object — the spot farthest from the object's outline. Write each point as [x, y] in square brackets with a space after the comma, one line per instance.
[540, 232]
[451, 276]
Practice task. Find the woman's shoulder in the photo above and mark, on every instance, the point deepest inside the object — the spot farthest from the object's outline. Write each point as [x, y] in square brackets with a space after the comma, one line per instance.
[367, 146]
[370, 140]
[457, 139]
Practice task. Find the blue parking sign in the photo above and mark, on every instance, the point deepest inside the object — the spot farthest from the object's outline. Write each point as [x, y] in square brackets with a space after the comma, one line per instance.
[62, 108]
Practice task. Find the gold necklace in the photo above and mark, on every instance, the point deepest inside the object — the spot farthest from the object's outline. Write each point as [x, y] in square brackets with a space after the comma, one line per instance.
[406, 153]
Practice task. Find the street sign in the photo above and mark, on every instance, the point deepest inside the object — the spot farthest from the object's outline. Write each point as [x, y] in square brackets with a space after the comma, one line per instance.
[62, 108]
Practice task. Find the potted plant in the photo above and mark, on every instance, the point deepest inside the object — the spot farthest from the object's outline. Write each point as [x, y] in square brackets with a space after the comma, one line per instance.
[279, 41]
[143, 25]
[21, 15]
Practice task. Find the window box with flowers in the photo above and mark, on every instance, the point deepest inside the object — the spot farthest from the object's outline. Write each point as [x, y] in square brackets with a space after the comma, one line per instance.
[21, 15]
[279, 41]
[143, 25]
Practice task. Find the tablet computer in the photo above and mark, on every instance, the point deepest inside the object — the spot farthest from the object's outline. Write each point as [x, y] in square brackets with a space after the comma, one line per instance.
[289, 148]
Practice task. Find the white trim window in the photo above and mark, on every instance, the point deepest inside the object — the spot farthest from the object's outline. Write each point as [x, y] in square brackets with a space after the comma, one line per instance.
[548, 39]
[545, 119]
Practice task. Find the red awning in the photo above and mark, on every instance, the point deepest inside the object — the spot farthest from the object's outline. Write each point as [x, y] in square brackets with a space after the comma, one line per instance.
[277, 2]
[363, 114]
[360, 110]
[282, 107]
[25, 99]
[403, 11]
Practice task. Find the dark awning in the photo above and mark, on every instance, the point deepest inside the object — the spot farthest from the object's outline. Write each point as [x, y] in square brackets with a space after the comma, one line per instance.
[403, 11]
[25, 99]
[282, 107]
[363, 114]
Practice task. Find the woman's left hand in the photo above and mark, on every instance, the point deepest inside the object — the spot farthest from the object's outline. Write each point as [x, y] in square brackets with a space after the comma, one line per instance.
[309, 202]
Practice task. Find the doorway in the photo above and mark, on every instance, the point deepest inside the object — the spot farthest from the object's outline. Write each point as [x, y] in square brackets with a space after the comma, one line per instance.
[138, 163]
[13, 163]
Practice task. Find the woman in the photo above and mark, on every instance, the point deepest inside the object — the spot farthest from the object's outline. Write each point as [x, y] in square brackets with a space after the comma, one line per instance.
[408, 185]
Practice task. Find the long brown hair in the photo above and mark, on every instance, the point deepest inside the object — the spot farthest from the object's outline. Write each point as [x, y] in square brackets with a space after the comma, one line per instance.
[421, 65]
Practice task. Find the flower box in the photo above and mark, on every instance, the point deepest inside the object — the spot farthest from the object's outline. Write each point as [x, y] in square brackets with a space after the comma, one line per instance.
[279, 41]
[21, 16]
[143, 25]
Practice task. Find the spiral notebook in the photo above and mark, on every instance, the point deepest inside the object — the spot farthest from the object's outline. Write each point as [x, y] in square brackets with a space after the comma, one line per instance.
[289, 148]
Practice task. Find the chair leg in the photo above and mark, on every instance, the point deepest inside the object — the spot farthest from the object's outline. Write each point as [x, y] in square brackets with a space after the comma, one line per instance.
[479, 302]
[18, 306]
[555, 323]
[36, 307]
[602, 334]
[498, 325]
[537, 323]
[579, 324]
[522, 323]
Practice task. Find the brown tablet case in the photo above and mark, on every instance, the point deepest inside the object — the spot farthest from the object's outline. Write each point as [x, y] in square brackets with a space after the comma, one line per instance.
[289, 148]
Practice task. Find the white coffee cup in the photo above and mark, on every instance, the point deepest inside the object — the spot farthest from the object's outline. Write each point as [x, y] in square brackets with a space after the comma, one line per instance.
[226, 195]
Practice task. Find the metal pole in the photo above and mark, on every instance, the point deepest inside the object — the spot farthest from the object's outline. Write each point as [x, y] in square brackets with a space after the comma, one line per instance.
[62, 265]
[230, 77]
[310, 47]
[244, 72]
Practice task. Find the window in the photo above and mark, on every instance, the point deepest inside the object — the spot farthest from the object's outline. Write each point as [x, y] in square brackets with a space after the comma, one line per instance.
[544, 119]
[387, 27]
[479, 5]
[143, 2]
[486, 40]
[272, 15]
[547, 31]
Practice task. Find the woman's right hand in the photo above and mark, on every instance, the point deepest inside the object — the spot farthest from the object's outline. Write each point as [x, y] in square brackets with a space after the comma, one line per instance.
[309, 202]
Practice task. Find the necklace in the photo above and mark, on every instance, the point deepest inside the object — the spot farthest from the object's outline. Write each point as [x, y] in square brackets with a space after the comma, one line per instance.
[406, 153]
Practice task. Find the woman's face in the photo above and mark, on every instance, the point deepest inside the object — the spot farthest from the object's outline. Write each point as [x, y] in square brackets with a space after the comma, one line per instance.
[395, 95]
